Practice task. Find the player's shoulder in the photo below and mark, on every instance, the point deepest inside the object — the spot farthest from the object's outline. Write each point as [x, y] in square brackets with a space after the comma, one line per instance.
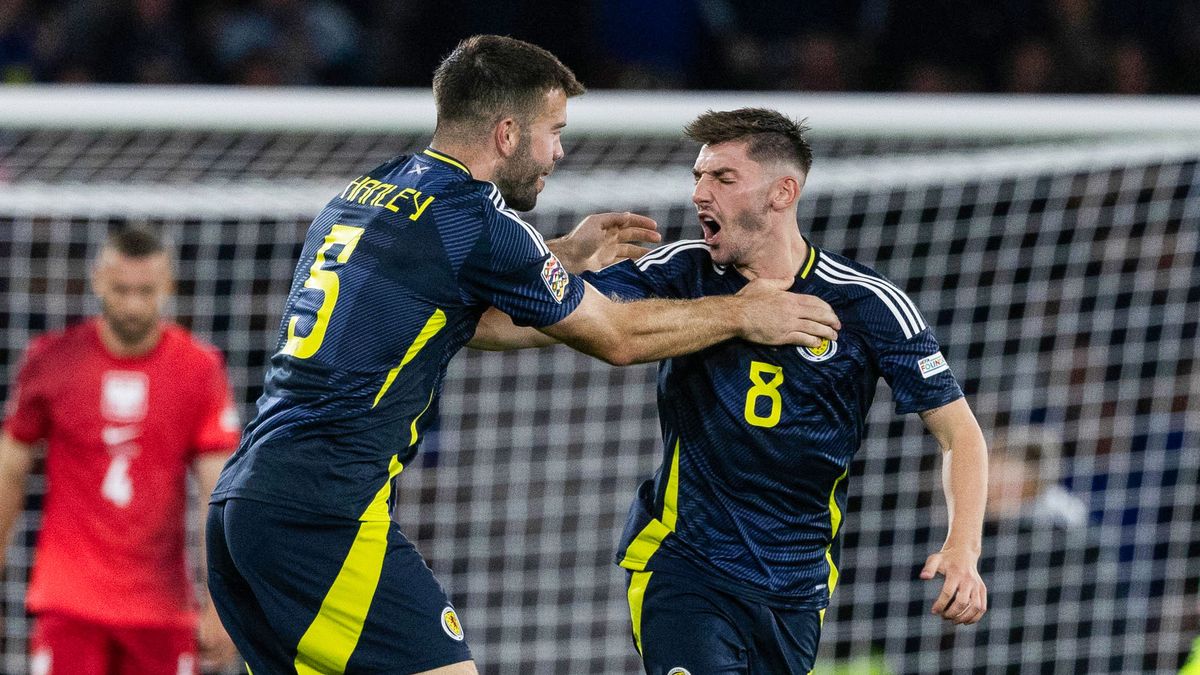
[686, 254]
[873, 298]
[63, 343]
[186, 345]
[502, 221]
[833, 265]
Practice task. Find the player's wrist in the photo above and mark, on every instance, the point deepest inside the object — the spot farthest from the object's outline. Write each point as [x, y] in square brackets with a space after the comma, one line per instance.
[973, 548]
[568, 253]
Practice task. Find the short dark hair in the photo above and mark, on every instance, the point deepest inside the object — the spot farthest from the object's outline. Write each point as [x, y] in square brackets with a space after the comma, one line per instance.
[489, 77]
[136, 242]
[772, 136]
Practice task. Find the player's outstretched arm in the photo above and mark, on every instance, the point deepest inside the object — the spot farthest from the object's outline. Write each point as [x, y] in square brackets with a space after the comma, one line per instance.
[598, 241]
[963, 599]
[650, 330]
[496, 332]
[602, 239]
[16, 461]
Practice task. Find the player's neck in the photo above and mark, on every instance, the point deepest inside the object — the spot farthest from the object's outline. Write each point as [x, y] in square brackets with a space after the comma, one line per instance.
[125, 350]
[780, 257]
[482, 165]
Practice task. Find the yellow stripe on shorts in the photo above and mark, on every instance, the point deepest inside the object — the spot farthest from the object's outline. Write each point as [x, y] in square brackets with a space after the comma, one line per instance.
[333, 634]
[331, 638]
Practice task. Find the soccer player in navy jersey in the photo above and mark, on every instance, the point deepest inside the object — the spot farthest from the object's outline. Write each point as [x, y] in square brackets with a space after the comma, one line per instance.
[733, 547]
[307, 570]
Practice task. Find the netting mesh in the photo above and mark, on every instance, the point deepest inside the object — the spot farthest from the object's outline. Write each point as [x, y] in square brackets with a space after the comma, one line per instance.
[168, 156]
[1064, 295]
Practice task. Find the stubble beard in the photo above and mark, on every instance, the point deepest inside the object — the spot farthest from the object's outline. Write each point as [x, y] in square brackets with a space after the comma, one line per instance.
[750, 224]
[518, 178]
[130, 331]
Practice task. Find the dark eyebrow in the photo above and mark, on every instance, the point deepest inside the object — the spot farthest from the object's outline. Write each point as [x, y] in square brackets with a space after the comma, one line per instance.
[716, 173]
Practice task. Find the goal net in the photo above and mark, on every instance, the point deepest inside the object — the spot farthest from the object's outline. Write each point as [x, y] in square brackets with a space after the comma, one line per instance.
[1052, 245]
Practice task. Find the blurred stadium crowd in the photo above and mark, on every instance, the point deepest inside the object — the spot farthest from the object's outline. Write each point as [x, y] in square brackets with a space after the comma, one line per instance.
[1027, 46]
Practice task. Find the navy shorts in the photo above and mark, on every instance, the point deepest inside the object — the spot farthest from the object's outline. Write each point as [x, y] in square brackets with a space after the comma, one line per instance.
[302, 593]
[683, 627]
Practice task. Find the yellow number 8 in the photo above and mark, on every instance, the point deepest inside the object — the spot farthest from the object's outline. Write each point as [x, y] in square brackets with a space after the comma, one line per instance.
[326, 281]
[762, 388]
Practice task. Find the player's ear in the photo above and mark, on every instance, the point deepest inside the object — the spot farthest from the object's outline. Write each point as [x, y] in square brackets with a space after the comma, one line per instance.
[506, 135]
[784, 192]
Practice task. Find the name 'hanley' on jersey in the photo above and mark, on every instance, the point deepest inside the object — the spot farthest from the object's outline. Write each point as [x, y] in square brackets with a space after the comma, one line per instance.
[757, 440]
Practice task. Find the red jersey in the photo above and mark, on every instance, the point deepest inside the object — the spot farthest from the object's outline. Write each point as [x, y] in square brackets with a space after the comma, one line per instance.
[121, 434]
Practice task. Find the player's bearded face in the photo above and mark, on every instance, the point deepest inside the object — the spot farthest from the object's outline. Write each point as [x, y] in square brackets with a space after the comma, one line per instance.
[520, 179]
[132, 293]
[539, 146]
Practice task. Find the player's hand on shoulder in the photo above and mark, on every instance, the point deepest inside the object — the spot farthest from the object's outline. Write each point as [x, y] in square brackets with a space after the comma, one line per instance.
[602, 239]
[963, 598]
[774, 316]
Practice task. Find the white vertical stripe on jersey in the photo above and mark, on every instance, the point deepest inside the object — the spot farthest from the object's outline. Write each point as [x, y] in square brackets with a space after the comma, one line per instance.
[498, 201]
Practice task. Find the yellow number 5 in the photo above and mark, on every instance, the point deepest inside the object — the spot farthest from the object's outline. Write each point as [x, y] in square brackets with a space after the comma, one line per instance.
[761, 389]
[326, 281]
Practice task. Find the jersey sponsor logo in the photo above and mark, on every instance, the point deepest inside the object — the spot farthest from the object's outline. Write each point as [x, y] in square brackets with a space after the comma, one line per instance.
[451, 625]
[123, 396]
[932, 365]
[822, 352]
[677, 670]
[555, 278]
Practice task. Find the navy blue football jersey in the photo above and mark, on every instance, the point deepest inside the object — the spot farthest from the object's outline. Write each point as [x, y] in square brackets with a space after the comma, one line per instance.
[758, 439]
[394, 275]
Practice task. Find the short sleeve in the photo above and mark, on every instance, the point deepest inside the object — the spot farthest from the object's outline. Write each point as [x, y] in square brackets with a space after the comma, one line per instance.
[27, 411]
[916, 371]
[622, 280]
[219, 428]
[512, 269]
[666, 272]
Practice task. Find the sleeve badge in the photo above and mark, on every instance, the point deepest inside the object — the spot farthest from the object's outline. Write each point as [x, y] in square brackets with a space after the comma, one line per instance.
[556, 278]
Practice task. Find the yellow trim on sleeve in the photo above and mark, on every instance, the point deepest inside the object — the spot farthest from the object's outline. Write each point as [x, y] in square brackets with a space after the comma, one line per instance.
[436, 322]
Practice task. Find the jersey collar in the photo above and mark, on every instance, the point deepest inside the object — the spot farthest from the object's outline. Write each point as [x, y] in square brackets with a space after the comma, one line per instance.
[442, 157]
[811, 261]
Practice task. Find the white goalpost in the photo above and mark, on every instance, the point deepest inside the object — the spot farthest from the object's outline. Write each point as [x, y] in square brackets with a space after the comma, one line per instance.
[1052, 243]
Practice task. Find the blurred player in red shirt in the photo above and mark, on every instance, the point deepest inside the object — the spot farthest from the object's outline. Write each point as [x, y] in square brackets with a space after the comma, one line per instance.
[126, 403]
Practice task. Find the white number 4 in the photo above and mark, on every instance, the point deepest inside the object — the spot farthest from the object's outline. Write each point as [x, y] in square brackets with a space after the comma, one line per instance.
[117, 488]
